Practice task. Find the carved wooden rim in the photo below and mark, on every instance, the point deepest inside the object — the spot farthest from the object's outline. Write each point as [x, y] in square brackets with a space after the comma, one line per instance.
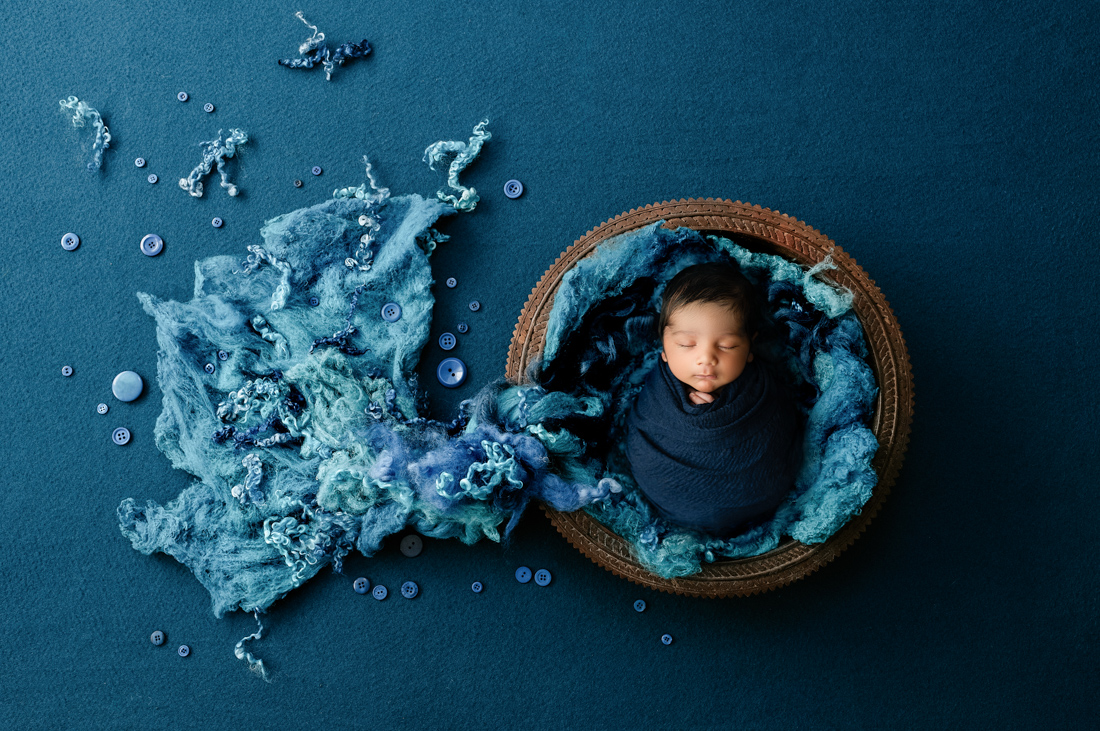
[758, 229]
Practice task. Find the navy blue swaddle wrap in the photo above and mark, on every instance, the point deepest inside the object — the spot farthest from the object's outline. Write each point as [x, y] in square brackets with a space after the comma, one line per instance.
[716, 467]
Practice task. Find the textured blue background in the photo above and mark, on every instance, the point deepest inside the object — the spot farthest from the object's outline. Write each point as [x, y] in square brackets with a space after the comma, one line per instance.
[951, 148]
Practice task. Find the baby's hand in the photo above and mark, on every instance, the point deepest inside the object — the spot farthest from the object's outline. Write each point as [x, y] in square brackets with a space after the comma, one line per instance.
[698, 397]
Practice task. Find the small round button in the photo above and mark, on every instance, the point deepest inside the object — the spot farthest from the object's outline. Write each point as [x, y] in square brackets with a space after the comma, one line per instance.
[152, 178]
[217, 222]
[639, 606]
[316, 170]
[223, 355]
[151, 245]
[476, 587]
[542, 577]
[157, 638]
[361, 585]
[184, 651]
[452, 282]
[513, 189]
[379, 592]
[120, 436]
[208, 107]
[667, 639]
[101, 409]
[70, 242]
[411, 545]
[127, 386]
[462, 328]
[409, 589]
[209, 368]
[475, 306]
[447, 341]
[66, 371]
[523, 574]
[140, 162]
[297, 183]
[313, 301]
[451, 372]
[391, 312]
[182, 96]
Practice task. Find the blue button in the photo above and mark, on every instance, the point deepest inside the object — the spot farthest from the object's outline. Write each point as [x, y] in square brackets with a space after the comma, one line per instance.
[523, 574]
[316, 170]
[379, 592]
[151, 244]
[447, 341]
[208, 107]
[66, 371]
[513, 189]
[157, 638]
[209, 368]
[313, 301]
[139, 162]
[184, 651]
[542, 577]
[452, 282]
[451, 372]
[462, 328]
[475, 306]
[120, 435]
[639, 606]
[70, 242]
[361, 585]
[391, 312]
[223, 355]
[101, 409]
[409, 589]
[411, 545]
[152, 178]
[667, 639]
[217, 222]
[297, 183]
[476, 587]
[127, 386]
[182, 96]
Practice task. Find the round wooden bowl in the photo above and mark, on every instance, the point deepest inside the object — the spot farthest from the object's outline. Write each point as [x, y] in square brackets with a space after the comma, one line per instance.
[763, 230]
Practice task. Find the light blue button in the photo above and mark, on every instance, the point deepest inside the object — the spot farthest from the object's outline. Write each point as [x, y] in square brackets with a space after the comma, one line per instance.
[391, 312]
[379, 592]
[184, 651]
[409, 589]
[140, 162]
[208, 107]
[462, 327]
[223, 355]
[66, 370]
[542, 577]
[70, 241]
[476, 587]
[127, 386]
[448, 341]
[475, 306]
[151, 245]
[513, 189]
[361, 585]
[209, 368]
[639, 606]
[452, 282]
[182, 96]
[451, 372]
[523, 574]
[157, 638]
[120, 436]
[667, 639]
[152, 178]
[101, 409]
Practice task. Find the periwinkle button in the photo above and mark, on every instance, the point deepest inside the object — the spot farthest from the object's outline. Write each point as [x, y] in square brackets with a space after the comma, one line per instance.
[208, 107]
[217, 222]
[412, 545]
[313, 301]
[101, 409]
[184, 651]
[379, 592]
[127, 386]
[223, 355]
[452, 282]
[542, 577]
[182, 96]
[639, 606]
[66, 371]
[152, 178]
[475, 306]
[209, 368]
[447, 341]
[667, 639]
[523, 574]
[157, 638]
[316, 170]
[361, 585]
[120, 436]
[139, 162]
[476, 587]
[70, 241]
[297, 183]
[409, 589]
[151, 244]
[391, 312]
[462, 328]
[451, 372]
[513, 189]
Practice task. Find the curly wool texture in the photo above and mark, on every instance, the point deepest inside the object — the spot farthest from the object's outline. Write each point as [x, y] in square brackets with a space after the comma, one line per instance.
[82, 112]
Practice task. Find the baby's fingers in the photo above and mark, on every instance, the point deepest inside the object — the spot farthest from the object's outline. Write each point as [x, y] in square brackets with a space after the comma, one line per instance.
[698, 397]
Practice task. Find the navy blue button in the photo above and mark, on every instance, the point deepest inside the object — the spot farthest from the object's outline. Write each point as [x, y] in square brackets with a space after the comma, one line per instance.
[182, 96]
[639, 606]
[152, 178]
[451, 372]
[513, 189]
[157, 638]
[217, 222]
[462, 328]
[523, 574]
[101, 409]
[208, 107]
[391, 312]
[452, 282]
[475, 306]
[667, 639]
[297, 183]
[127, 386]
[66, 371]
[379, 592]
[139, 162]
[361, 585]
[542, 577]
[313, 301]
[316, 170]
[411, 545]
[223, 355]
[151, 244]
[70, 242]
[409, 589]
[447, 341]
[184, 651]
[209, 368]
[476, 587]
[120, 436]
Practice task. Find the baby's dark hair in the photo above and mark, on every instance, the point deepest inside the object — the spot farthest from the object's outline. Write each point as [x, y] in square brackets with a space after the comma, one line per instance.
[714, 282]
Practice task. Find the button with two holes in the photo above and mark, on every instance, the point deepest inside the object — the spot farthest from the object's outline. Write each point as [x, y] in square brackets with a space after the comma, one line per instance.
[451, 372]
[513, 189]
[391, 312]
[409, 589]
[151, 244]
[448, 341]
[379, 592]
[361, 585]
[66, 371]
[313, 301]
[523, 574]
[120, 436]
[542, 577]
[411, 545]
[70, 241]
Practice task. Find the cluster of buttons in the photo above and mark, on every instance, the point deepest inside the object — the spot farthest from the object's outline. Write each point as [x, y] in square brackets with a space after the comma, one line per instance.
[158, 638]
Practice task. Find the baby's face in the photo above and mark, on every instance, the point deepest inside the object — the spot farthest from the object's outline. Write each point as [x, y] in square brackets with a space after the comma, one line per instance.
[705, 346]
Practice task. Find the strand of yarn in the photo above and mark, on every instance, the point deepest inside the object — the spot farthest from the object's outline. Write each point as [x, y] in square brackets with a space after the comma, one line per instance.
[215, 152]
[464, 152]
[81, 112]
[254, 664]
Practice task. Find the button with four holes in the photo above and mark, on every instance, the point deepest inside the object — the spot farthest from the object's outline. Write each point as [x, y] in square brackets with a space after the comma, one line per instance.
[101, 409]
[297, 183]
[542, 577]
[462, 327]
[411, 545]
[152, 178]
[316, 170]
[208, 107]
[639, 606]
[120, 436]
[157, 638]
[209, 368]
[451, 372]
[409, 589]
[379, 592]
[391, 312]
[667, 639]
[513, 189]
[139, 162]
[70, 241]
[127, 386]
[447, 341]
[151, 244]
[361, 585]
[66, 371]
[223, 355]
[182, 96]
[217, 222]
[476, 587]
[452, 282]
[523, 574]
[475, 306]
[313, 301]
[184, 651]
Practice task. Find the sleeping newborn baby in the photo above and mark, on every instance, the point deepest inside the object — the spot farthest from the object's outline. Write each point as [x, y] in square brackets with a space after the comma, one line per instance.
[712, 439]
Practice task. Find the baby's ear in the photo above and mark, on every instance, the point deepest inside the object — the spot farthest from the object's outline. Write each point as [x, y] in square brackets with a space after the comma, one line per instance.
[663, 357]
